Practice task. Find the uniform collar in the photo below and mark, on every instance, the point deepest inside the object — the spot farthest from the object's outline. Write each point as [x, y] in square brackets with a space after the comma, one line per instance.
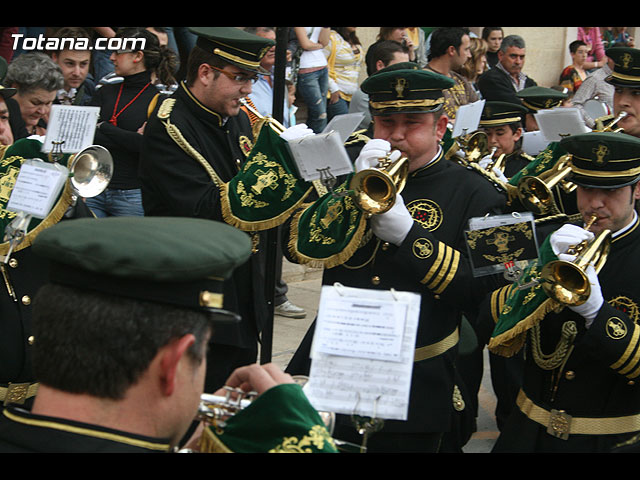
[200, 108]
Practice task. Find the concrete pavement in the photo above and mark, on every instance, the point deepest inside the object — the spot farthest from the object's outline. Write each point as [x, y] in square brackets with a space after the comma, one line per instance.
[304, 290]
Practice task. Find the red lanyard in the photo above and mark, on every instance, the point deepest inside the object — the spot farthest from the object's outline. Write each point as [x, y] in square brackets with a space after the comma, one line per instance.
[114, 116]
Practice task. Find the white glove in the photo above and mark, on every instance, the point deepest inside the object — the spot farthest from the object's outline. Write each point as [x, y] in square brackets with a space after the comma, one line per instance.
[484, 161]
[371, 153]
[568, 235]
[592, 306]
[498, 173]
[297, 131]
[393, 225]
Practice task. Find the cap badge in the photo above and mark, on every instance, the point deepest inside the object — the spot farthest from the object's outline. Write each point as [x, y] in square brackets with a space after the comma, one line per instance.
[400, 85]
[601, 151]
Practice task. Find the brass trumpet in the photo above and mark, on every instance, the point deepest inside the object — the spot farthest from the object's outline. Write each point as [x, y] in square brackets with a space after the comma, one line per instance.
[474, 145]
[375, 189]
[535, 192]
[566, 282]
[600, 126]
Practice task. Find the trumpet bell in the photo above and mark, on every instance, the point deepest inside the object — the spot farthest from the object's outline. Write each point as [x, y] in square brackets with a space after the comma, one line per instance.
[375, 189]
[567, 282]
[91, 171]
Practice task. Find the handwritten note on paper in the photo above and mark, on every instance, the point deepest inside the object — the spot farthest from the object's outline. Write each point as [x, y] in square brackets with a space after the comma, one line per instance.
[362, 354]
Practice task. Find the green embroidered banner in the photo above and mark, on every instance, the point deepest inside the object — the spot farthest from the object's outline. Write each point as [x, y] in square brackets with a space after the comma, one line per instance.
[524, 308]
[281, 420]
[543, 162]
[328, 231]
[267, 190]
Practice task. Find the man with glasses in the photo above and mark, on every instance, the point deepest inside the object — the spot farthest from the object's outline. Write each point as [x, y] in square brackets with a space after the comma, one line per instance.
[194, 145]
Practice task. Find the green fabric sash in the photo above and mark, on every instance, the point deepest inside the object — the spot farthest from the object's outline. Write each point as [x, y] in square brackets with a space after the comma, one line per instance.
[281, 420]
[267, 190]
[328, 231]
[524, 308]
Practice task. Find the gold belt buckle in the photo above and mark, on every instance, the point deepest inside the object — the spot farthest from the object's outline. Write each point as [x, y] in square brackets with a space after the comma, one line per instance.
[559, 424]
[16, 393]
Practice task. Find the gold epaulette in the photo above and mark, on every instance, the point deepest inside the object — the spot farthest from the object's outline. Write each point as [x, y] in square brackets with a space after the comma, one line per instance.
[357, 136]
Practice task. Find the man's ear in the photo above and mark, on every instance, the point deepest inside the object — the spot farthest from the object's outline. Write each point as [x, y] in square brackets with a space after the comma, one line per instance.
[170, 357]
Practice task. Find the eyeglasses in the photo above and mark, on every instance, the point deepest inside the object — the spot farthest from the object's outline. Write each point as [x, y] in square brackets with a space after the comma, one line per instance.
[237, 77]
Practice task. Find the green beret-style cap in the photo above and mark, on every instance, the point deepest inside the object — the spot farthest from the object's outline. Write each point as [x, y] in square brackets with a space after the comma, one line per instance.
[603, 159]
[541, 98]
[234, 45]
[626, 68]
[405, 91]
[178, 261]
[497, 113]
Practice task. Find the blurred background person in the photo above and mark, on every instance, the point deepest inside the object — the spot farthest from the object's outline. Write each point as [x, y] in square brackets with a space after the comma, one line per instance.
[573, 75]
[124, 109]
[37, 79]
[476, 65]
[345, 58]
[493, 36]
[592, 38]
[78, 85]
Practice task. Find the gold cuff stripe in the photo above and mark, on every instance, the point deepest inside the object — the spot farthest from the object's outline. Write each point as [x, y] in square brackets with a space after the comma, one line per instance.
[438, 348]
[406, 103]
[443, 269]
[580, 425]
[597, 173]
[627, 353]
[436, 265]
[452, 272]
[87, 432]
[634, 361]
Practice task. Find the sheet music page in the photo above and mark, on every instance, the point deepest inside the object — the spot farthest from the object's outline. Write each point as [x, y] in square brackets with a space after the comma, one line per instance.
[37, 188]
[362, 353]
[320, 151]
[560, 122]
[344, 124]
[74, 125]
[467, 118]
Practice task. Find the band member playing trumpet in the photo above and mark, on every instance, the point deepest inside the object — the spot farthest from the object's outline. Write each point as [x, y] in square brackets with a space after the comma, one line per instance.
[121, 344]
[417, 245]
[579, 390]
[503, 123]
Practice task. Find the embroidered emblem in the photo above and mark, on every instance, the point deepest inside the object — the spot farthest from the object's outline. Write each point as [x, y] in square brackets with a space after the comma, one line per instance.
[317, 438]
[245, 144]
[399, 86]
[626, 305]
[7, 181]
[616, 329]
[427, 213]
[268, 179]
[601, 151]
[501, 241]
[548, 103]
[333, 211]
[626, 60]
[422, 248]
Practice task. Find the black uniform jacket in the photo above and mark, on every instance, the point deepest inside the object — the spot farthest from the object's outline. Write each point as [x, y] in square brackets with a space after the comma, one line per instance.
[188, 152]
[600, 378]
[441, 197]
[24, 432]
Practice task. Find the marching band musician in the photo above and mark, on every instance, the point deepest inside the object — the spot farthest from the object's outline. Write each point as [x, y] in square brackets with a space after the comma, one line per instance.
[121, 340]
[415, 246]
[503, 123]
[579, 390]
[195, 146]
[22, 273]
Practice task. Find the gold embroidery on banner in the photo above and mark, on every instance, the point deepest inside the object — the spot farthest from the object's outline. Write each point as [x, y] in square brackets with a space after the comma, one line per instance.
[7, 182]
[317, 437]
[615, 328]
